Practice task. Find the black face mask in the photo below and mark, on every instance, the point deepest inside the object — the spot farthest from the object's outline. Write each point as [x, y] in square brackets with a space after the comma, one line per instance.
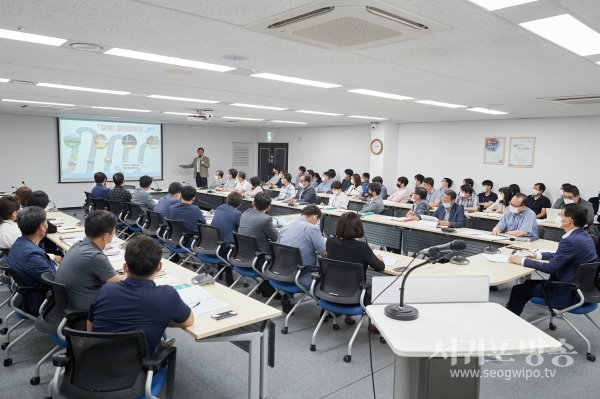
[398, 185]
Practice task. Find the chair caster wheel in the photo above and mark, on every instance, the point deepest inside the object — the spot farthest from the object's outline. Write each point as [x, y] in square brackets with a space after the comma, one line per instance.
[3, 331]
[552, 326]
[34, 380]
[347, 358]
[4, 346]
[313, 348]
[284, 330]
[336, 327]
[382, 340]
[7, 362]
[591, 358]
[246, 285]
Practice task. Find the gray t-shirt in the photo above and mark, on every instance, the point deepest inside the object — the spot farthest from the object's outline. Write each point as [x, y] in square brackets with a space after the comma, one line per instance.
[84, 270]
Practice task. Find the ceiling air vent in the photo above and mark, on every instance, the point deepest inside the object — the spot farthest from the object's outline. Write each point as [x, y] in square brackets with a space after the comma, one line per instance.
[347, 24]
[576, 100]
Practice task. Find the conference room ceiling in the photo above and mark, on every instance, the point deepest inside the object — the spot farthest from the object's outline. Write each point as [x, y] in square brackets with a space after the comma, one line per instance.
[483, 61]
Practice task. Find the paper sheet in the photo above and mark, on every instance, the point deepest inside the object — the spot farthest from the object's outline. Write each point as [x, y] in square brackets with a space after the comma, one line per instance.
[69, 229]
[165, 280]
[498, 258]
[492, 237]
[389, 260]
[208, 305]
[191, 294]
[115, 258]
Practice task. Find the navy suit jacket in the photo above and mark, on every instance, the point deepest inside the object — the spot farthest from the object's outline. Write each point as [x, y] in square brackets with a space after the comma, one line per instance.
[227, 219]
[308, 195]
[576, 249]
[99, 191]
[457, 215]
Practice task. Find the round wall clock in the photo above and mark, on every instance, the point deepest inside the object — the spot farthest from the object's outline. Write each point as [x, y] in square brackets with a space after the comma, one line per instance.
[376, 146]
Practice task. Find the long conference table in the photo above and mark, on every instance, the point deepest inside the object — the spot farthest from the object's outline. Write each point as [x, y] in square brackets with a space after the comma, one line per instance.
[251, 330]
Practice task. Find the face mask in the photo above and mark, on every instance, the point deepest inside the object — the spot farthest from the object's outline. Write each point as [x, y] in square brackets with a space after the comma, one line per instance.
[558, 222]
[501, 197]
[569, 201]
[446, 205]
[336, 192]
[461, 195]
[398, 185]
[561, 192]
[216, 177]
[514, 209]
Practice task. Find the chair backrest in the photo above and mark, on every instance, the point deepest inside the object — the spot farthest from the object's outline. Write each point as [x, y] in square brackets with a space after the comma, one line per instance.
[115, 207]
[128, 187]
[4, 253]
[135, 212]
[99, 204]
[589, 281]
[245, 251]
[60, 294]
[88, 195]
[541, 232]
[340, 281]
[284, 263]
[153, 225]
[175, 231]
[104, 365]
[208, 239]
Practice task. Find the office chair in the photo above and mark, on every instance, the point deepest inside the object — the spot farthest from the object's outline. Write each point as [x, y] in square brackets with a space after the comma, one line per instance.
[207, 246]
[128, 187]
[245, 257]
[175, 238]
[153, 227]
[339, 287]
[116, 209]
[99, 204]
[6, 280]
[112, 366]
[589, 297]
[134, 218]
[541, 232]
[282, 270]
[88, 205]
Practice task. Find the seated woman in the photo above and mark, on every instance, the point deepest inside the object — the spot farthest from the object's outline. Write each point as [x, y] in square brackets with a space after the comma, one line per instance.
[355, 190]
[502, 204]
[338, 199]
[345, 247]
[316, 180]
[9, 231]
[256, 188]
[23, 194]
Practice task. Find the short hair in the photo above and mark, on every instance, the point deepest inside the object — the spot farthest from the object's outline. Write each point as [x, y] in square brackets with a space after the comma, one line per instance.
[508, 194]
[375, 187]
[188, 193]
[30, 219]
[38, 198]
[242, 174]
[356, 180]
[311, 210]
[118, 178]
[576, 212]
[233, 173]
[332, 173]
[302, 169]
[287, 177]
[542, 186]
[23, 193]
[451, 194]
[99, 177]
[467, 189]
[175, 188]
[255, 181]
[522, 197]
[317, 176]
[305, 177]
[349, 172]
[377, 179]
[142, 256]
[419, 177]
[572, 189]
[276, 168]
[565, 185]
[327, 173]
[469, 181]
[336, 184]
[487, 183]
[310, 172]
[449, 180]
[219, 173]
[145, 181]
[262, 201]
[234, 199]
[349, 226]
[515, 188]
[429, 180]
[367, 175]
[100, 222]
[8, 205]
[421, 192]
[200, 148]
[403, 180]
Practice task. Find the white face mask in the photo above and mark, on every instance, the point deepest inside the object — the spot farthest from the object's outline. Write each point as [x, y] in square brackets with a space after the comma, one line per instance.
[217, 177]
[558, 222]
[461, 195]
[561, 192]
[514, 209]
[535, 192]
[569, 201]
[501, 197]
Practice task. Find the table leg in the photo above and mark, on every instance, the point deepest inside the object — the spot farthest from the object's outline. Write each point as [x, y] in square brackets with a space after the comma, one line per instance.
[264, 363]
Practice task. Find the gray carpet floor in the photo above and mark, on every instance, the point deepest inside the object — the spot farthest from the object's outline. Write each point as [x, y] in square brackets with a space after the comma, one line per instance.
[219, 370]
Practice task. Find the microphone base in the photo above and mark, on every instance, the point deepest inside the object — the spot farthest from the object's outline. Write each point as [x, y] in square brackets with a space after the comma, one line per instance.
[459, 260]
[407, 313]
[491, 251]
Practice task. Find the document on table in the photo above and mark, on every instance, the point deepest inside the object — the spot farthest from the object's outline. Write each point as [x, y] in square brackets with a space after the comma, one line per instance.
[69, 229]
[197, 298]
[498, 258]
[389, 260]
[491, 237]
[165, 279]
[115, 258]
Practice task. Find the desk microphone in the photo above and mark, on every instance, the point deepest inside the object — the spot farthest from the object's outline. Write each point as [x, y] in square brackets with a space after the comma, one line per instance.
[456, 259]
[188, 184]
[54, 208]
[157, 187]
[452, 246]
[493, 251]
[24, 183]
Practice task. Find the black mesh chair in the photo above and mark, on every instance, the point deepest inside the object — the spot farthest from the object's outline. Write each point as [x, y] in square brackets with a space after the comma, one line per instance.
[153, 227]
[175, 237]
[112, 366]
[99, 204]
[245, 256]
[541, 232]
[589, 296]
[282, 269]
[88, 205]
[339, 287]
[6, 280]
[134, 218]
[116, 208]
[207, 246]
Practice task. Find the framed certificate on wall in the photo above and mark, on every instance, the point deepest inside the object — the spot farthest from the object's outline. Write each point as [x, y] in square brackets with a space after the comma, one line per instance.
[494, 150]
[521, 152]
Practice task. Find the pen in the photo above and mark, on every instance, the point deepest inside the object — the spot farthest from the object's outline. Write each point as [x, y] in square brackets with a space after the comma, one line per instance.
[196, 304]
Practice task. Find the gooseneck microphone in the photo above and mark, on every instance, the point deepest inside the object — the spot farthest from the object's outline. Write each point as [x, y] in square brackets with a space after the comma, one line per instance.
[157, 187]
[24, 183]
[493, 251]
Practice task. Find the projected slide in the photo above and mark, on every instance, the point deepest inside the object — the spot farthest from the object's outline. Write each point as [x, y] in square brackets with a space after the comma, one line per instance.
[87, 147]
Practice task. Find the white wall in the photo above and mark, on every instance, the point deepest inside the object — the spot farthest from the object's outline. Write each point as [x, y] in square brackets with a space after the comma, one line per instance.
[566, 151]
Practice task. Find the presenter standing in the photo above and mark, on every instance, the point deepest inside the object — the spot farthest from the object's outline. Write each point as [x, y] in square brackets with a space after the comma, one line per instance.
[200, 166]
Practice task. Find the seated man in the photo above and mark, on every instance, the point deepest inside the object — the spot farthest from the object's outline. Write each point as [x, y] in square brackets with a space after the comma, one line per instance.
[467, 198]
[302, 234]
[402, 194]
[520, 221]
[141, 196]
[449, 213]
[375, 202]
[242, 185]
[304, 193]
[275, 181]
[165, 203]
[227, 219]
[137, 303]
[100, 190]
[558, 202]
[434, 196]
[313, 182]
[325, 186]
[219, 182]
[231, 181]
[347, 181]
[575, 248]
[571, 196]
[379, 180]
[366, 179]
[85, 268]
[487, 198]
[118, 193]
[446, 184]
[28, 260]
[256, 223]
[537, 202]
[468, 181]
[301, 172]
[419, 178]
[338, 199]
[420, 204]
[188, 213]
[287, 190]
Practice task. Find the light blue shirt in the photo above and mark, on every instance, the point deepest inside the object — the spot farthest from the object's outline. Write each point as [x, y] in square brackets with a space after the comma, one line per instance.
[525, 221]
[308, 238]
[435, 195]
[325, 186]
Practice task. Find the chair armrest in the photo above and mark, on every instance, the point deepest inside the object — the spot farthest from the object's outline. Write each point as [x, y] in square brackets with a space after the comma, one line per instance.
[23, 289]
[74, 313]
[267, 257]
[188, 234]
[221, 242]
[257, 254]
[300, 267]
[364, 286]
[316, 276]
[572, 286]
[61, 359]
[155, 363]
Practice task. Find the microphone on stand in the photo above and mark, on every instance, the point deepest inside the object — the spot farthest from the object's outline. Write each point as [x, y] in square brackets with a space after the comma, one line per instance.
[24, 183]
[156, 189]
[493, 251]
[456, 259]
[54, 208]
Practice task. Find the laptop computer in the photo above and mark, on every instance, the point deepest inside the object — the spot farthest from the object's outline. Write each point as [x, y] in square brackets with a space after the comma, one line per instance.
[551, 214]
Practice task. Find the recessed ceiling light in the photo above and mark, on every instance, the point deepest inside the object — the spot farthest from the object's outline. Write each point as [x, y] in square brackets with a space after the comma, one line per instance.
[241, 119]
[493, 5]
[318, 113]
[258, 106]
[193, 100]
[367, 117]
[380, 94]
[299, 81]
[4, 80]
[123, 109]
[36, 102]
[87, 47]
[121, 93]
[296, 123]
[439, 104]
[567, 32]
[31, 38]
[178, 113]
[487, 111]
[167, 60]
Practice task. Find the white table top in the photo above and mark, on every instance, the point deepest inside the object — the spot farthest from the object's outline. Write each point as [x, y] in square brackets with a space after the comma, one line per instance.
[462, 329]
